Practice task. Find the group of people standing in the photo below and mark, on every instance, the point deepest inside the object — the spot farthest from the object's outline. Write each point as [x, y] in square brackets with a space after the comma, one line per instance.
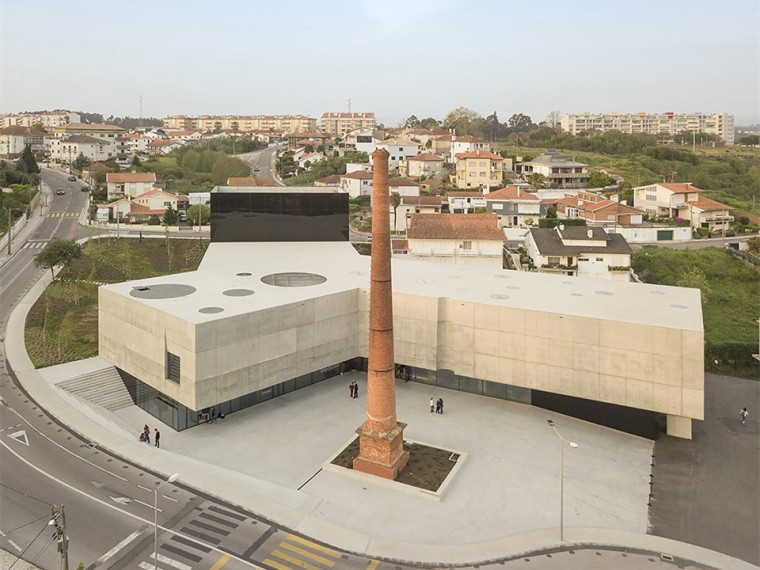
[436, 405]
[353, 389]
[145, 436]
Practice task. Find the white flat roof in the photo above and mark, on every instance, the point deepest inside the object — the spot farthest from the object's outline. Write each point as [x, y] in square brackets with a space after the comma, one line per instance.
[344, 269]
[277, 190]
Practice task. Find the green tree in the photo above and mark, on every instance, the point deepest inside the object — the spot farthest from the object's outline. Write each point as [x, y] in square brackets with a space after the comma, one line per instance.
[202, 210]
[412, 122]
[520, 123]
[227, 166]
[749, 140]
[464, 121]
[395, 200]
[694, 277]
[81, 162]
[171, 217]
[57, 252]
[430, 123]
[600, 180]
[537, 180]
[753, 244]
[136, 161]
[26, 163]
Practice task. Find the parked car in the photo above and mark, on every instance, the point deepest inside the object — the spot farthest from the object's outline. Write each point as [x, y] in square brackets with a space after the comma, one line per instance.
[72, 178]
[85, 189]
[60, 191]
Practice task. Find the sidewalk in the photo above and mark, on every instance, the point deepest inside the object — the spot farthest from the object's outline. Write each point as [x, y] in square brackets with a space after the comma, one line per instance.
[37, 216]
[272, 459]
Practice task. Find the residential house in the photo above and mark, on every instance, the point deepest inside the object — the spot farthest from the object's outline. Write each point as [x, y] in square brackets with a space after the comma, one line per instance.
[356, 166]
[459, 202]
[479, 169]
[89, 173]
[129, 184]
[399, 150]
[558, 170]
[610, 212]
[309, 159]
[138, 143]
[475, 240]
[296, 140]
[364, 140]
[403, 186]
[441, 145]
[357, 183]
[332, 180]
[422, 135]
[579, 251]
[14, 139]
[425, 164]
[66, 150]
[465, 144]
[157, 200]
[340, 124]
[113, 135]
[163, 146]
[413, 205]
[682, 200]
[515, 207]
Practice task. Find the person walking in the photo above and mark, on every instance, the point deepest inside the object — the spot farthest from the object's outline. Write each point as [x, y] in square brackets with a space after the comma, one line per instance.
[212, 420]
[146, 433]
[356, 390]
[432, 405]
[744, 413]
[157, 437]
[440, 401]
[351, 389]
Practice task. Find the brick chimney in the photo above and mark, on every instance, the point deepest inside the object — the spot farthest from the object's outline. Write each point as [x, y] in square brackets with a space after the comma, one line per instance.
[381, 437]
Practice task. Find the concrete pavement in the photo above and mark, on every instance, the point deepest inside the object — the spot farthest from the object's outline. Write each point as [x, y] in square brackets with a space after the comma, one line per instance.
[271, 460]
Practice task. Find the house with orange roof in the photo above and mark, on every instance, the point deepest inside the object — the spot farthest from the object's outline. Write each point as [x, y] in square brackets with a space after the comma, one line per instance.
[242, 181]
[399, 150]
[683, 200]
[463, 144]
[163, 146]
[357, 183]
[129, 184]
[413, 205]
[475, 240]
[479, 169]
[296, 140]
[515, 207]
[424, 164]
[157, 200]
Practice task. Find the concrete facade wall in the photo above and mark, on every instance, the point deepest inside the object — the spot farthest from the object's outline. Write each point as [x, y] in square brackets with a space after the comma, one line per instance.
[640, 366]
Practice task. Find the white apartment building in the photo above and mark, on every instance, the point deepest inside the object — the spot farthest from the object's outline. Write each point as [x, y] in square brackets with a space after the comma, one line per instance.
[460, 145]
[667, 124]
[66, 151]
[47, 120]
[243, 123]
[113, 136]
[399, 150]
[340, 124]
[14, 139]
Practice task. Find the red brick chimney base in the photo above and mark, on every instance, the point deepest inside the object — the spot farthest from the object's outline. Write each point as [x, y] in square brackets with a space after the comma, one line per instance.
[381, 453]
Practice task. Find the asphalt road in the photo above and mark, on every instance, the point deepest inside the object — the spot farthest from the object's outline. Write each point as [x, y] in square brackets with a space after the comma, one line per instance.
[263, 160]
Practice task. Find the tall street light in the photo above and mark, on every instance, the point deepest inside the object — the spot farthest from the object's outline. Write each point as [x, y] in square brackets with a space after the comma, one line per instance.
[172, 479]
[574, 445]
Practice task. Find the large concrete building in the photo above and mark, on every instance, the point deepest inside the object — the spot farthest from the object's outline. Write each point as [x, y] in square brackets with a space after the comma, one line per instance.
[268, 312]
[664, 124]
[243, 123]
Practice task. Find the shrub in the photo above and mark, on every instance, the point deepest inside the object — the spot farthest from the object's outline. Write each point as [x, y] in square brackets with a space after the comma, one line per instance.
[154, 221]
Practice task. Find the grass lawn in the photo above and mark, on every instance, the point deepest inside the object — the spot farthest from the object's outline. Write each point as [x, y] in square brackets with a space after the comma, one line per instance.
[729, 309]
[427, 469]
[62, 326]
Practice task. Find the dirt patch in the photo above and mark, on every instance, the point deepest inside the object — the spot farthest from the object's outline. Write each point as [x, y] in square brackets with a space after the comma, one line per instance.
[427, 468]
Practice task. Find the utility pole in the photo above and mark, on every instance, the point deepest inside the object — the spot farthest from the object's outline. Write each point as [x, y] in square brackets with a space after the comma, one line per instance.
[141, 114]
[59, 520]
[349, 106]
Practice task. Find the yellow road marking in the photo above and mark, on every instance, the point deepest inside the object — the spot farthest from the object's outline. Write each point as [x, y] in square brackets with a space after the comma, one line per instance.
[372, 565]
[294, 560]
[310, 544]
[316, 557]
[277, 565]
[221, 562]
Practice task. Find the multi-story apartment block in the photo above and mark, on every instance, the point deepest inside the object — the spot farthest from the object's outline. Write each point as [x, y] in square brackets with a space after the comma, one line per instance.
[340, 124]
[113, 142]
[243, 123]
[665, 124]
[47, 120]
[479, 169]
[14, 139]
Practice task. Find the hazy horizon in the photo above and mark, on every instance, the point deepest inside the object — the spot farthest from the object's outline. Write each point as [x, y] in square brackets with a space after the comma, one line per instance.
[393, 58]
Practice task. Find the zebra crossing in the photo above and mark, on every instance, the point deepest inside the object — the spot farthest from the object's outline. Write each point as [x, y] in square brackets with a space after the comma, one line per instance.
[63, 214]
[297, 552]
[34, 245]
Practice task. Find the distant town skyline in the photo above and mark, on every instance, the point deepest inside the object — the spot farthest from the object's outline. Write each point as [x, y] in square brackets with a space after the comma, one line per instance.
[392, 58]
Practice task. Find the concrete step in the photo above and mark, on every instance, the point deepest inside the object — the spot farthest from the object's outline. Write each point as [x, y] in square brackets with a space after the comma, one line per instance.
[102, 387]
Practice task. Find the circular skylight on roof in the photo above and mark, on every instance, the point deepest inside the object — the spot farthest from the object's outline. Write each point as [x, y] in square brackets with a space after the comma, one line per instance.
[679, 306]
[210, 310]
[244, 274]
[293, 279]
[499, 296]
[606, 293]
[238, 292]
[161, 291]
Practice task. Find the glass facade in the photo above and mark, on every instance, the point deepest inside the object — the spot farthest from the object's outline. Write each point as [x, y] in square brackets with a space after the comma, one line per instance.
[286, 215]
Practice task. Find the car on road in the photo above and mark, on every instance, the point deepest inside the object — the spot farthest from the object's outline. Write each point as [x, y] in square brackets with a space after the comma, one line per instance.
[60, 191]
[85, 189]
[256, 169]
[72, 178]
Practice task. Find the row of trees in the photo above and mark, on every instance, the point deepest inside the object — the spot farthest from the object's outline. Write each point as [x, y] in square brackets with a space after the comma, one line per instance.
[468, 122]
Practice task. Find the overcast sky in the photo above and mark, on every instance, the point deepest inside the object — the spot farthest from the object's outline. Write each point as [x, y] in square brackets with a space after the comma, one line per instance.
[393, 57]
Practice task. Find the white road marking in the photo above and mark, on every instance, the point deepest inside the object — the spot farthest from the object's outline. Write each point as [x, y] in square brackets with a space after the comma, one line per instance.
[248, 563]
[120, 500]
[170, 498]
[166, 560]
[19, 436]
[118, 547]
[145, 489]
[14, 545]
[64, 449]
[147, 505]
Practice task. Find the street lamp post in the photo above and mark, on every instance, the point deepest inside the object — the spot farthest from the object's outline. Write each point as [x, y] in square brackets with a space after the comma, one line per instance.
[172, 479]
[574, 445]
[10, 226]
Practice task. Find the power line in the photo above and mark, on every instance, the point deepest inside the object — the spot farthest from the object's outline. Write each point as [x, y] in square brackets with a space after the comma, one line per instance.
[27, 524]
[27, 496]
[27, 548]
